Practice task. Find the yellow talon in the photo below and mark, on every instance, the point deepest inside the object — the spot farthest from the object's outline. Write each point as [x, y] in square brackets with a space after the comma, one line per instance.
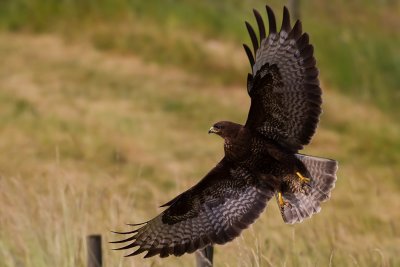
[280, 200]
[302, 178]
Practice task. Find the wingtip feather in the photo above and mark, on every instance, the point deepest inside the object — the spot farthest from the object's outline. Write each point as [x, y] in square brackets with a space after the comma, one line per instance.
[123, 240]
[253, 36]
[124, 233]
[136, 252]
[271, 20]
[260, 24]
[286, 20]
[295, 33]
[249, 55]
[132, 245]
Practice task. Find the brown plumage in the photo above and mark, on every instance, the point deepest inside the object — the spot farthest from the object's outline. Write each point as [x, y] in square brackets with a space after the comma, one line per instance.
[261, 158]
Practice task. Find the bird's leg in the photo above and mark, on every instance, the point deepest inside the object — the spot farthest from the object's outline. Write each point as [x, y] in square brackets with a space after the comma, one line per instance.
[280, 200]
[303, 179]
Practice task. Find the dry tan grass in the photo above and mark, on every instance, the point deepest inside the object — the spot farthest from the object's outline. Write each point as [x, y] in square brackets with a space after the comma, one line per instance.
[93, 140]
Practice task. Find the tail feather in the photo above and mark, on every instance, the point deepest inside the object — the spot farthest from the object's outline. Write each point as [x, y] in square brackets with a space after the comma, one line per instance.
[322, 173]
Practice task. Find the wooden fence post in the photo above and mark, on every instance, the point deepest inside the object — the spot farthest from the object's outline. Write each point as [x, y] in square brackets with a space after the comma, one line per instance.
[204, 257]
[95, 258]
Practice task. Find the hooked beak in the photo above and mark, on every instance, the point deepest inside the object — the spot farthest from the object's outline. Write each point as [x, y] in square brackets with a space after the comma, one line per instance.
[213, 130]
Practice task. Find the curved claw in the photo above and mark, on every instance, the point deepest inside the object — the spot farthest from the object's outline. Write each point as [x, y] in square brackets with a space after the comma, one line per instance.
[303, 179]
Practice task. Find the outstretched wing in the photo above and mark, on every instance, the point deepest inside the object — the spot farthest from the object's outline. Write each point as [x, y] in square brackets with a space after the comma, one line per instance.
[284, 87]
[226, 201]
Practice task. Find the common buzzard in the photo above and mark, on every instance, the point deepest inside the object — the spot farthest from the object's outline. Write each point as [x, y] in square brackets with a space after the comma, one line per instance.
[261, 157]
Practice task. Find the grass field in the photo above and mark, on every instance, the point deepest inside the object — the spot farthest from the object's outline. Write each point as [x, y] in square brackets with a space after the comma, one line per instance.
[101, 124]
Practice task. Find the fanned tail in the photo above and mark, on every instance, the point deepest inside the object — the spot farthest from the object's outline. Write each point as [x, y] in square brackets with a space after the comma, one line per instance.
[300, 206]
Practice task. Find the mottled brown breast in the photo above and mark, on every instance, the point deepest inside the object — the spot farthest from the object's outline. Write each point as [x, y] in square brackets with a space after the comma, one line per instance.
[237, 146]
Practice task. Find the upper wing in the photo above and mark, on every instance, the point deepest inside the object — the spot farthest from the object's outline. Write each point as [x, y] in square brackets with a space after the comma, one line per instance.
[215, 210]
[284, 87]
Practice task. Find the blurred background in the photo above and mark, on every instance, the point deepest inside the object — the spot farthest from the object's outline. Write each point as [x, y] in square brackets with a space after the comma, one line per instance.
[104, 112]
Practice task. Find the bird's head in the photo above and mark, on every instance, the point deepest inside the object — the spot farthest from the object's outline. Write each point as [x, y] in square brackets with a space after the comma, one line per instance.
[225, 129]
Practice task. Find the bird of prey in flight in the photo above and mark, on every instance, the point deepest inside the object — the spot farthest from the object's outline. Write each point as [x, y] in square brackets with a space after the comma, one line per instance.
[262, 158]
